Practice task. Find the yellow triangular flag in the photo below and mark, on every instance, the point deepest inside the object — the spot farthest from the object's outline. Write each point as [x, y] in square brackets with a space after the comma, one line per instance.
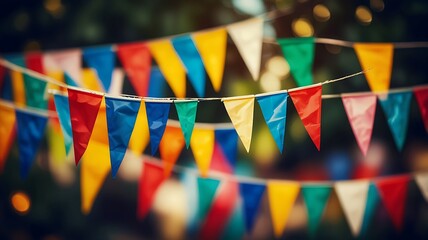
[376, 59]
[7, 129]
[95, 163]
[170, 65]
[90, 80]
[212, 48]
[18, 88]
[241, 112]
[282, 196]
[140, 135]
[202, 144]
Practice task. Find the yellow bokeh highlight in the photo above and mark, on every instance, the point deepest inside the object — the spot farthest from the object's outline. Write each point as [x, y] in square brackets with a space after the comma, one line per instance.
[363, 15]
[321, 13]
[302, 27]
[20, 202]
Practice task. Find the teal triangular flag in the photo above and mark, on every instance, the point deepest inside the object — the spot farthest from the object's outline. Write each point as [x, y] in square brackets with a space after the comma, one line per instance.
[207, 188]
[274, 109]
[299, 53]
[186, 111]
[373, 199]
[316, 197]
[63, 111]
[235, 226]
[396, 108]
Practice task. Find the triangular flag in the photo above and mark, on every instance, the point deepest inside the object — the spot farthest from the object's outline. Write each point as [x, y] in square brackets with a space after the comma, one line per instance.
[7, 132]
[422, 180]
[121, 116]
[170, 148]
[274, 109]
[240, 111]
[282, 196]
[84, 108]
[31, 128]
[228, 141]
[2, 75]
[189, 55]
[235, 228]
[393, 192]
[34, 87]
[151, 178]
[307, 102]
[6, 90]
[63, 111]
[157, 116]
[353, 197]
[102, 59]
[69, 61]
[136, 61]
[316, 197]
[116, 84]
[219, 161]
[202, 144]
[157, 84]
[17, 80]
[251, 195]
[376, 61]
[371, 205]
[212, 48]
[396, 107]
[421, 95]
[207, 189]
[90, 80]
[140, 136]
[299, 53]
[361, 113]
[170, 65]
[248, 38]
[186, 111]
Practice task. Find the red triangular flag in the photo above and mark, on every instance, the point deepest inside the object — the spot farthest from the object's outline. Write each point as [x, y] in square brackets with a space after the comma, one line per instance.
[393, 192]
[150, 180]
[308, 104]
[84, 108]
[421, 95]
[34, 61]
[136, 61]
[361, 112]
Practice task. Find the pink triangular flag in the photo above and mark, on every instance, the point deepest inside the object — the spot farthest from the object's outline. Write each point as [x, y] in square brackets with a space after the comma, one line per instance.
[69, 61]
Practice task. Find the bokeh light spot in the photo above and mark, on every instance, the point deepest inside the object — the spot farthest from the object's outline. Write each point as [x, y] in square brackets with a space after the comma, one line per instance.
[321, 13]
[20, 202]
[363, 15]
[302, 27]
[278, 66]
[269, 82]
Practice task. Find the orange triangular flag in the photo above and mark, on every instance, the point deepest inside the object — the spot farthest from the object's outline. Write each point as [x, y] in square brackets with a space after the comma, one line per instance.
[170, 148]
[7, 132]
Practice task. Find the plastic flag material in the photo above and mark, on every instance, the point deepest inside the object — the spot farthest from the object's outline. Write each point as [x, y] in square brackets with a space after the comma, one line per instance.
[393, 192]
[207, 189]
[235, 228]
[361, 112]
[157, 84]
[189, 55]
[282, 196]
[6, 89]
[219, 161]
[212, 48]
[251, 195]
[376, 61]
[316, 197]
[186, 111]
[121, 116]
[35, 88]
[248, 37]
[157, 116]
[353, 197]
[372, 202]
[274, 109]
[170, 65]
[421, 95]
[102, 59]
[84, 108]
[68, 61]
[31, 129]
[396, 107]
[202, 144]
[116, 84]
[228, 141]
[140, 136]
[63, 111]
[299, 53]
[151, 178]
[307, 102]
[421, 180]
[17, 80]
[7, 133]
[170, 147]
[90, 80]
[240, 111]
[136, 61]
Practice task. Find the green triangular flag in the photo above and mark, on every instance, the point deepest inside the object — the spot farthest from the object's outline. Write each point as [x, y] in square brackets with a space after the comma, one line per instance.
[207, 188]
[299, 53]
[316, 197]
[186, 110]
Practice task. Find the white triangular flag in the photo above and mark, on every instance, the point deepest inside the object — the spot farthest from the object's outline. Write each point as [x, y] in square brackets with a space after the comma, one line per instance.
[353, 196]
[68, 61]
[117, 82]
[422, 181]
[248, 37]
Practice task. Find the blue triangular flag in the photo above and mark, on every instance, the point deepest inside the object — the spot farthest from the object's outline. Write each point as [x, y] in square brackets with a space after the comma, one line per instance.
[316, 197]
[191, 59]
[31, 128]
[274, 109]
[121, 115]
[251, 194]
[7, 90]
[396, 108]
[102, 59]
[63, 111]
[373, 199]
[228, 140]
[157, 84]
[157, 116]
